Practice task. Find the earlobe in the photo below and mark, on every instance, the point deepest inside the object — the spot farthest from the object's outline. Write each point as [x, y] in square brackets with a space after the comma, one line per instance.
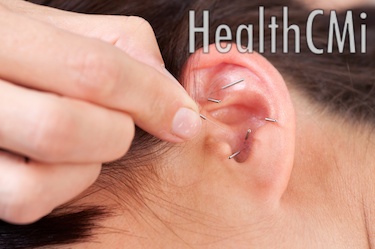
[241, 96]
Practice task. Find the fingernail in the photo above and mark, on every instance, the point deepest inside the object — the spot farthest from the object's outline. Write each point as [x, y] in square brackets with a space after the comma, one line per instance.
[186, 123]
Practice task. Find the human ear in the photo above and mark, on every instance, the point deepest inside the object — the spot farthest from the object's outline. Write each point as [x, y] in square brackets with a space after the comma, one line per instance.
[237, 93]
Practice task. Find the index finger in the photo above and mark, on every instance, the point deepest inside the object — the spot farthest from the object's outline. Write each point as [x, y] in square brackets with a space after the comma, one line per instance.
[49, 59]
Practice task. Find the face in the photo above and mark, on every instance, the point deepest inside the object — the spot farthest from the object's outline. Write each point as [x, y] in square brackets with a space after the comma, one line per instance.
[301, 182]
[304, 181]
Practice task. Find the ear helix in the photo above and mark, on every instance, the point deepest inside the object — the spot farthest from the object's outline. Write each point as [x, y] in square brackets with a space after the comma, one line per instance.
[249, 131]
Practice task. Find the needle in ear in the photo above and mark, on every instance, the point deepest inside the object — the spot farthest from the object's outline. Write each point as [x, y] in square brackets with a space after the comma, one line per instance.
[247, 134]
[234, 155]
[232, 84]
[239, 152]
[219, 101]
[208, 120]
[203, 117]
[214, 100]
[271, 120]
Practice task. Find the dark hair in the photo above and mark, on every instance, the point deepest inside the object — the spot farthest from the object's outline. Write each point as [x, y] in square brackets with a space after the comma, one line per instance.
[343, 83]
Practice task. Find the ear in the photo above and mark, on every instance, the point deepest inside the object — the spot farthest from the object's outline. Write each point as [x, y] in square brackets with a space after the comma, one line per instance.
[236, 118]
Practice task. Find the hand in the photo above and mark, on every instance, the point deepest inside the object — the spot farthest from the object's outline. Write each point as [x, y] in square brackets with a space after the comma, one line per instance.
[69, 102]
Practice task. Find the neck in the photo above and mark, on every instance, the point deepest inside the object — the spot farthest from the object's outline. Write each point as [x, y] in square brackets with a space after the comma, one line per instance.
[330, 185]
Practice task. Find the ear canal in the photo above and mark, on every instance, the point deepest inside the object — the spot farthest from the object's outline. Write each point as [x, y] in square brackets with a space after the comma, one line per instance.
[249, 116]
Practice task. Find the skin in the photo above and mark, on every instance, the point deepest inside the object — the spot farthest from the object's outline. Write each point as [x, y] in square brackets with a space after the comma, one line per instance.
[323, 200]
[65, 76]
[315, 193]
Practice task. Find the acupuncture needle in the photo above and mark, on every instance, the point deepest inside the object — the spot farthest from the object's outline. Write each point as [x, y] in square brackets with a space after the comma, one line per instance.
[227, 86]
[206, 119]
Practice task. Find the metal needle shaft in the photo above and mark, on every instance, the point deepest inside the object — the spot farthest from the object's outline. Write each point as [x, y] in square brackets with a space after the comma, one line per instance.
[232, 84]
[234, 155]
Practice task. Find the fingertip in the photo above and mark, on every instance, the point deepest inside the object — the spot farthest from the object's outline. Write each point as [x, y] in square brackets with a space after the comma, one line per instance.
[186, 124]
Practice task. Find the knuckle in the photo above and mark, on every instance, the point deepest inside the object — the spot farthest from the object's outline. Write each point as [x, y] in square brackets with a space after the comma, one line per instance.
[119, 144]
[22, 204]
[142, 31]
[141, 24]
[97, 72]
[126, 139]
[49, 134]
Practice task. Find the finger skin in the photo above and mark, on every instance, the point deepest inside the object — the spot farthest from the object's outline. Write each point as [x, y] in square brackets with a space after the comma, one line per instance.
[55, 129]
[41, 57]
[133, 35]
[50, 59]
[32, 190]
